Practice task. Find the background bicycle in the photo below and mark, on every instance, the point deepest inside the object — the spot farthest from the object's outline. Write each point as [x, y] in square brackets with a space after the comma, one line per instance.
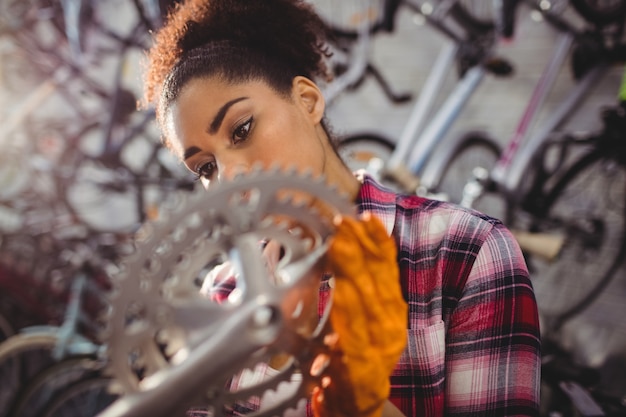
[529, 161]
[599, 339]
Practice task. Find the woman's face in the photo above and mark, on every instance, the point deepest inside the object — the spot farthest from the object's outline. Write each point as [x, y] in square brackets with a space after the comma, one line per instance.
[219, 129]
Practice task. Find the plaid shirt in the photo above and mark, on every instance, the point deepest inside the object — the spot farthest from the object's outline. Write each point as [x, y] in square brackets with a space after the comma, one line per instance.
[473, 333]
[473, 338]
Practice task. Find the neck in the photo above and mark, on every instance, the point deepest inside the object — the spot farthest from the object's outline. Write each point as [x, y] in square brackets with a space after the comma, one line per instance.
[336, 172]
[340, 176]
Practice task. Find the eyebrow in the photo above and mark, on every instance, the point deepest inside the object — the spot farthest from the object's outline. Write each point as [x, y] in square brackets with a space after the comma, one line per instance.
[214, 126]
[219, 117]
[191, 151]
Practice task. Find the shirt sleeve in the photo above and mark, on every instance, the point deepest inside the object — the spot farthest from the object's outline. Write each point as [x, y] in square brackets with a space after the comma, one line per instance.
[493, 343]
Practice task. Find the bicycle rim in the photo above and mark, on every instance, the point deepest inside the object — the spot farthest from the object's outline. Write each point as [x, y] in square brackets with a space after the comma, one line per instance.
[85, 398]
[457, 168]
[587, 208]
[369, 152]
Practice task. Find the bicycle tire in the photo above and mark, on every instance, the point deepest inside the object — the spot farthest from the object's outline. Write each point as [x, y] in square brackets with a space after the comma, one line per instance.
[85, 398]
[600, 13]
[452, 170]
[22, 357]
[47, 385]
[367, 151]
[587, 206]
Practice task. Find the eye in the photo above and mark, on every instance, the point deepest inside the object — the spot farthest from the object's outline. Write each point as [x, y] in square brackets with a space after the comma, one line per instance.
[207, 170]
[242, 131]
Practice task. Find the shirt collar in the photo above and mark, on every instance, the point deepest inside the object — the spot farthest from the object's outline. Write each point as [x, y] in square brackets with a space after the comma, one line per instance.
[378, 200]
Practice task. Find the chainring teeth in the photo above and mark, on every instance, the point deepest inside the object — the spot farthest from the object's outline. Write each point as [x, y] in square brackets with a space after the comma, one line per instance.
[305, 365]
[254, 390]
[172, 250]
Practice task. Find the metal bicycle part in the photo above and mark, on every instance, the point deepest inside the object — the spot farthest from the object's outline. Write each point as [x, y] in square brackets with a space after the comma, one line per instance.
[460, 174]
[171, 349]
[367, 151]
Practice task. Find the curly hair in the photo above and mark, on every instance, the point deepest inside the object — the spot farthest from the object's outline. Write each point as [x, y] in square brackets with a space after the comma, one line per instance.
[239, 40]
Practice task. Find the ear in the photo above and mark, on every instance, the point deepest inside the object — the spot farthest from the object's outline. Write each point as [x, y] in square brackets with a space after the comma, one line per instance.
[310, 97]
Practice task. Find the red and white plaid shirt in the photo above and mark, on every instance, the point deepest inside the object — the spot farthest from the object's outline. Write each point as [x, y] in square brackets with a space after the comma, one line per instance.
[473, 333]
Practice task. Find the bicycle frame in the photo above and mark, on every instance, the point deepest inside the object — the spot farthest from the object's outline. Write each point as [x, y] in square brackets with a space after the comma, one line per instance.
[507, 176]
[510, 171]
[419, 136]
[353, 60]
[357, 64]
[510, 168]
[424, 144]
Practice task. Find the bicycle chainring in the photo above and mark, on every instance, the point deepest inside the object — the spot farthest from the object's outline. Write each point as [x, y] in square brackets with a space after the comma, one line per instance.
[168, 344]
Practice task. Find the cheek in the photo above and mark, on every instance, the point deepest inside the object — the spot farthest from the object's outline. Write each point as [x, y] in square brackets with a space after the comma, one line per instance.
[292, 144]
[294, 153]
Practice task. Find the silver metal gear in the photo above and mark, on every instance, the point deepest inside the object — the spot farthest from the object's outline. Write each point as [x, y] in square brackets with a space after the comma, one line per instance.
[169, 348]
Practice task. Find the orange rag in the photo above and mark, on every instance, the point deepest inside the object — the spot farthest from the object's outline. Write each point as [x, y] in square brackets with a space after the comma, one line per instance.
[369, 317]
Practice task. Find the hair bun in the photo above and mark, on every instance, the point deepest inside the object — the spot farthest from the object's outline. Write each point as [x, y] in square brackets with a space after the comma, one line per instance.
[288, 30]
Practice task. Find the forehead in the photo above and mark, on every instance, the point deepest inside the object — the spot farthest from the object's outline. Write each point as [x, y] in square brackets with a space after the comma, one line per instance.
[217, 89]
[214, 90]
[200, 100]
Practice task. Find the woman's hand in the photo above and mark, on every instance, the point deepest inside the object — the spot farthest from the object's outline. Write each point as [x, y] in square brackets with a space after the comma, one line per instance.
[369, 317]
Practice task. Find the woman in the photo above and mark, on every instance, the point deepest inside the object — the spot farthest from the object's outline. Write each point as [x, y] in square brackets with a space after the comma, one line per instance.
[233, 82]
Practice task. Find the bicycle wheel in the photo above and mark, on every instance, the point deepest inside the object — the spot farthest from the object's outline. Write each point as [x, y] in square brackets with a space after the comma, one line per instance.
[601, 12]
[366, 151]
[85, 398]
[452, 173]
[22, 356]
[586, 207]
[38, 394]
